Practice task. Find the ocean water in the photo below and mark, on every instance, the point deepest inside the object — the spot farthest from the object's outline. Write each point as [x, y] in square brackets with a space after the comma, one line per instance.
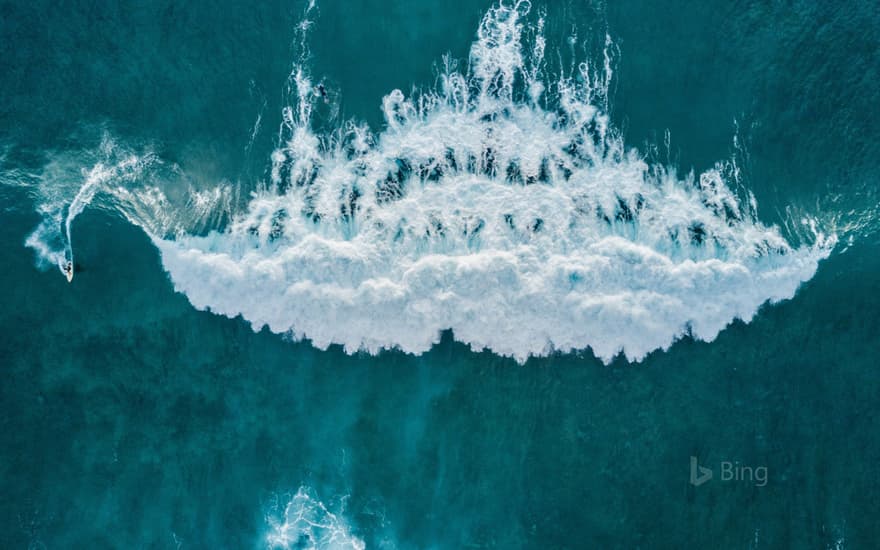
[458, 274]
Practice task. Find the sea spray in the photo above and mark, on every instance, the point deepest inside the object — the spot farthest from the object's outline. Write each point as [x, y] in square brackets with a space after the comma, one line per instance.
[502, 205]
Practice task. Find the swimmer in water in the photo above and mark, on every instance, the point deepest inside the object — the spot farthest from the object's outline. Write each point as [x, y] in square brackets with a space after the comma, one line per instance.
[322, 92]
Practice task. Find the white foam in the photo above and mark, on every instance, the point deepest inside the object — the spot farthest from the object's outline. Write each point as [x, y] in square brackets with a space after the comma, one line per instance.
[503, 206]
[306, 523]
[521, 227]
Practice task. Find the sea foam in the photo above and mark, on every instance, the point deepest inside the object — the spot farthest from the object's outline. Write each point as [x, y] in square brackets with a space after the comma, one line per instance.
[306, 523]
[502, 205]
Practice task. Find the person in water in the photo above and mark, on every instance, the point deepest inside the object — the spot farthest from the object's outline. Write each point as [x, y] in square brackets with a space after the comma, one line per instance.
[322, 92]
[67, 269]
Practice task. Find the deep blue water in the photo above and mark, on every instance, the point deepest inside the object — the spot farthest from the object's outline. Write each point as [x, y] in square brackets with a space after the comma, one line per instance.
[132, 419]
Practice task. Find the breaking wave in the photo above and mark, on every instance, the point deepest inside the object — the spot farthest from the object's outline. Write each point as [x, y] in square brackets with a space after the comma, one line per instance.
[502, 205]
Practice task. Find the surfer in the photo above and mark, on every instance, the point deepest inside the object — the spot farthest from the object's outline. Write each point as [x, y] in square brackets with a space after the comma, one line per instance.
[67, 269]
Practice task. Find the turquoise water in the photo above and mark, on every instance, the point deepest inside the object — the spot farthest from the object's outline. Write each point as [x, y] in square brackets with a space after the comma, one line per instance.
[134, 417]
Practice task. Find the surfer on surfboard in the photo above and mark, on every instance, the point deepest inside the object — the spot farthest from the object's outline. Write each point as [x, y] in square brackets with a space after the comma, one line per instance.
[67, 269]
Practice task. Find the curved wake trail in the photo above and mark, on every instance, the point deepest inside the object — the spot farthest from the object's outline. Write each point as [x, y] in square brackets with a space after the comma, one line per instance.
[155, 196]
[52, 238]
[502, 205]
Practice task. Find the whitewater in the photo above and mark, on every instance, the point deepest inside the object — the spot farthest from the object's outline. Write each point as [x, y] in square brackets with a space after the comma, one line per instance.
[501, 205]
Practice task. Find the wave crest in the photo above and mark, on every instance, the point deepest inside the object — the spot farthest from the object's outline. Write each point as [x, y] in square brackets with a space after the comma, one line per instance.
[500, 207]
[503, 205]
